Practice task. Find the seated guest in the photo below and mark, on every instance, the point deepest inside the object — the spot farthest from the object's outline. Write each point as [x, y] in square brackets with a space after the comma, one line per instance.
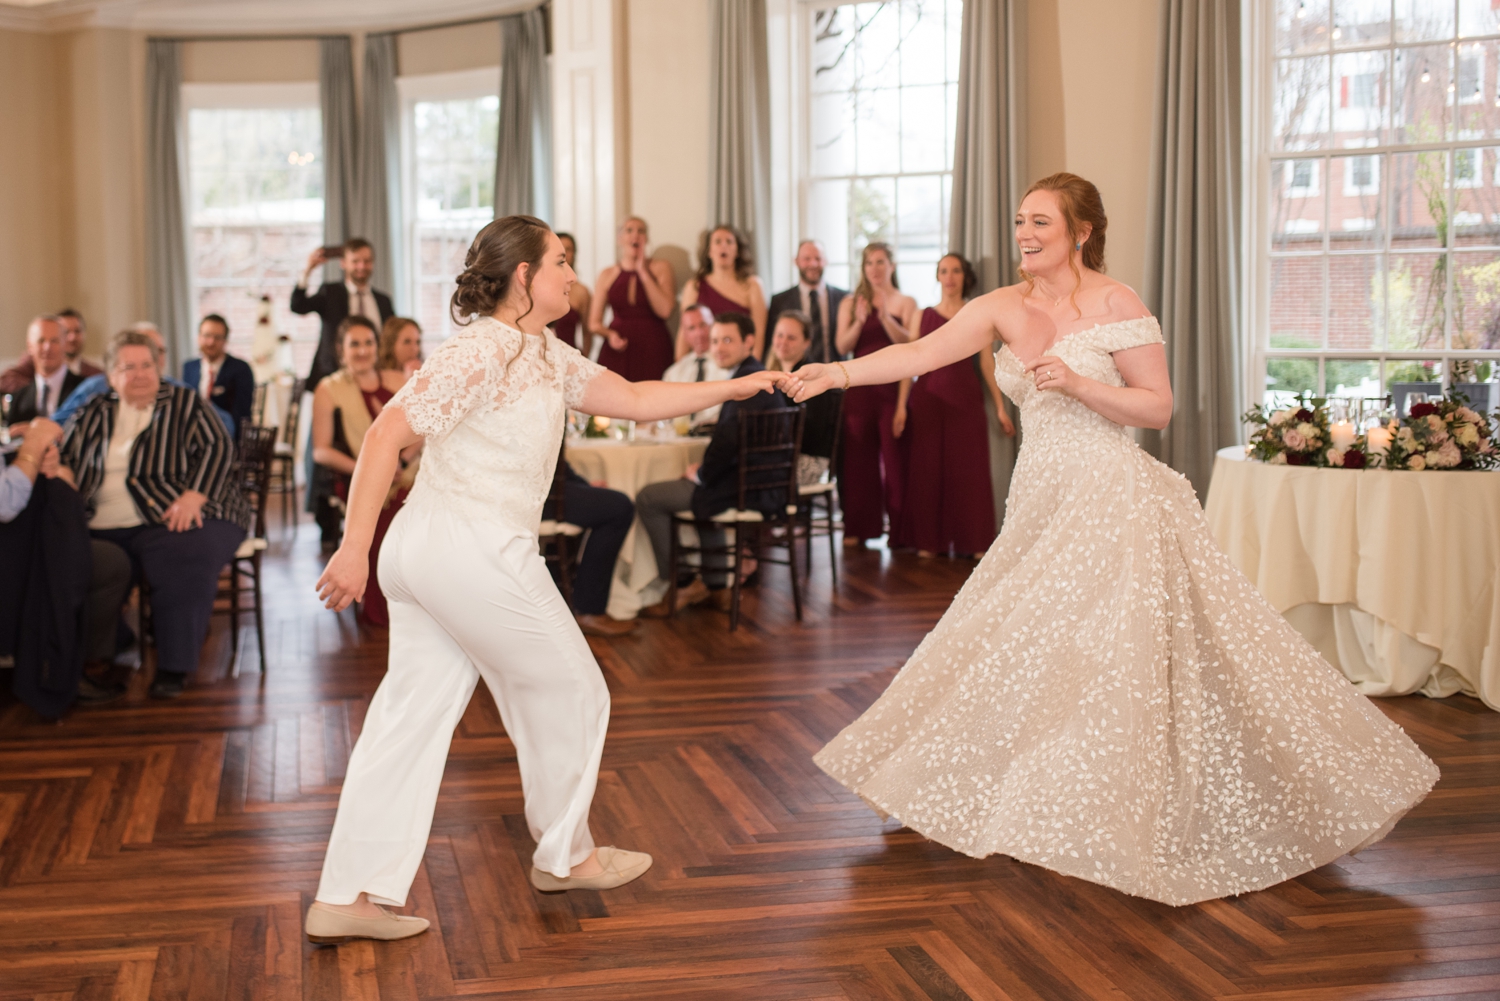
[109, 571]
[789, 352]
[345, 404]
[400, 347]
[98, 385]
[713, 485]
[218, 376]
[607, 515]
[24, 371]
[813, 297]
[52, 380]
[153, 465]
[698, 364]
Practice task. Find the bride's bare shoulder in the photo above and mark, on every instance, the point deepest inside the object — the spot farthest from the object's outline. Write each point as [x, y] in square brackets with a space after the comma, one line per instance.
[1120, 301]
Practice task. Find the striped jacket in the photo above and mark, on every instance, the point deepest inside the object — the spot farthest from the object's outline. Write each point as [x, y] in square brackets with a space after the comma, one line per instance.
[185, 447]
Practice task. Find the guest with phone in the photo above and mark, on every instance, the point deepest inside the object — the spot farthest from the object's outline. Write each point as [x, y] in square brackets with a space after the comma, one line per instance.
[333, 301]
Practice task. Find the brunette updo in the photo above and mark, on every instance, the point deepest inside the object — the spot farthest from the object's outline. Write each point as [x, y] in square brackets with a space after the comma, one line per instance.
[970, 277]
[490, 266]
[1081, 206]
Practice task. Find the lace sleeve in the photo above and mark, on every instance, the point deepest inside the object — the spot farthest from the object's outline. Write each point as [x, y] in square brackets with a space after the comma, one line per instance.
[458, 377]
[1129, 334]
[578, 371]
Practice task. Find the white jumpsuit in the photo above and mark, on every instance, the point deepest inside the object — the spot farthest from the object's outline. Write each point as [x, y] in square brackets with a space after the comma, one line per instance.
[471, 597]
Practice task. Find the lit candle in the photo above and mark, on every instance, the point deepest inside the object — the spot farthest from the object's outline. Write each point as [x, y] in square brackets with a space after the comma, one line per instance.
[1378, 440]
[1342, 435]
[602, 423]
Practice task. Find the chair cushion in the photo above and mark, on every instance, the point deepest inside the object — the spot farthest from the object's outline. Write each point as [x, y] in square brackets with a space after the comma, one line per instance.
[811, 489]
[550, 527]
[285, 448]
[249, 548]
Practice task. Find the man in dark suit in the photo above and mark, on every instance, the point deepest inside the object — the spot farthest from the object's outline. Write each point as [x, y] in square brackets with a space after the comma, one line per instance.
[813, 296]
[219, 377]
[333, 301]
[52, 381]
[713, 485]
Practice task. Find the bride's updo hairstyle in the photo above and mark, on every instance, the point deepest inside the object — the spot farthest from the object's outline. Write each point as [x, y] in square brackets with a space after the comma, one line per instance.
[490, 266]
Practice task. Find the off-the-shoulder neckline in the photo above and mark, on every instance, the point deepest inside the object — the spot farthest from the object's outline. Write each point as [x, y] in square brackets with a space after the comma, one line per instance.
[1005, 346]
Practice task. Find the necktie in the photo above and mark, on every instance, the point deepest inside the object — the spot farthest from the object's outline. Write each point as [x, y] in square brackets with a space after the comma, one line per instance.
[360, 307]
[47, 397]
[815, 313]
[208, 382]
[701, 362]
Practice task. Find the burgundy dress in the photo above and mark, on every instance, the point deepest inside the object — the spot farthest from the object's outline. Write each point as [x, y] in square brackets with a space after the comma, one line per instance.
[649, 351]
[949, 500]
[373, 608]
[873, 471]
[718, 301]
[567, 328]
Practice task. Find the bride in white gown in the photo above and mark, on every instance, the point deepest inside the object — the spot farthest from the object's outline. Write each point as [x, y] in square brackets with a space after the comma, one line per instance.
[1108, 696]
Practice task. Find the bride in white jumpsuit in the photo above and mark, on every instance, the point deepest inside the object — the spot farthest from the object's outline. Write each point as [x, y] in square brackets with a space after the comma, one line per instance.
[470, 596]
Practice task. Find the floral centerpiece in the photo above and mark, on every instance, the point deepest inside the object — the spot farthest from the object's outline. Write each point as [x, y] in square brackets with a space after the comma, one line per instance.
[1446, 434]
[1295, 436]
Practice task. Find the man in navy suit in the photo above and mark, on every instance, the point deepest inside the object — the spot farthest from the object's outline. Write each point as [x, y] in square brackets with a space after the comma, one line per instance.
[334, 301]
[813, 296]
[219, 377]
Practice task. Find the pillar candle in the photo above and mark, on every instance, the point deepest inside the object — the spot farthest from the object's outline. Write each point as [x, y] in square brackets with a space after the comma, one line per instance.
[1342, 435]
[1378, 440]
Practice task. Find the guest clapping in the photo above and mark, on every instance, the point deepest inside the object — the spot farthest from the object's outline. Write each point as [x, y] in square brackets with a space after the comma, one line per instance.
[698, 364]
[153, 466]
[400, 347]
[638, 346]
[726, 282]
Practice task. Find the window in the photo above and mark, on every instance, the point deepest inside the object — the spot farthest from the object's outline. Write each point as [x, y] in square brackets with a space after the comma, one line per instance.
[1391, 271]
[450, 129]
[881, 85]
[255, 179]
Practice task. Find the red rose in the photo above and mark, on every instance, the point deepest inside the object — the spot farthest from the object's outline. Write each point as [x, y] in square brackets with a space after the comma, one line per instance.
[1354, 459]
[1423, 409]
[1305, 414]
[1296, 459]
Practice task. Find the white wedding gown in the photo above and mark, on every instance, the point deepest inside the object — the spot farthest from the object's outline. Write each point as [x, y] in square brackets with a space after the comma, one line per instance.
[1110, 698]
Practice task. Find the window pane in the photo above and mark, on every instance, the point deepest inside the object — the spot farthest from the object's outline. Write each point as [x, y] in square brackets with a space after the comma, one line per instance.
[919, 219]
[1296, 205]
[833, 49]
[1301, 26]
[1476, 199]
[256, 197]
[1300, 113]
[1419, 199]
[1477, 100]
[1361, 82]
[1355, 283]
[1361, 22]
[1297, 302]
[828, 218]
[832, 134]
[879, 47]
[1478, 17]
[1291, 376]
[1476, 311]
[1351, 378]
[923, 133]
[1416, 289]
[1420, 97]
[923, 41]
[1412, 371]
[872, 213]
[1423, 20]
[878, 132]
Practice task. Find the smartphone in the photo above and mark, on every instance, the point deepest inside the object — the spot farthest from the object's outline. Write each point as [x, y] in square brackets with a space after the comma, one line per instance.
[334, 252]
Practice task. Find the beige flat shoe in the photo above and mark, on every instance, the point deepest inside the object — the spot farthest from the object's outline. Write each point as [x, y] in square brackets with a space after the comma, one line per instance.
[620, 867]
[326, 926]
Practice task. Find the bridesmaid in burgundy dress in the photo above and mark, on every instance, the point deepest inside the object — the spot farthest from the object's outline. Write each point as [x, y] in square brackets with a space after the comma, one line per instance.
[571, 329]
[949, 502]
[638, 291]
[870, 485]
[725, 282]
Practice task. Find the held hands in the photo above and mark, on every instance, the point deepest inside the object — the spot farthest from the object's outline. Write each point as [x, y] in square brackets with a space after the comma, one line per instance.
[1052, 373]
[343, 579]
[759, 382]
[186, 511]
[811, 380]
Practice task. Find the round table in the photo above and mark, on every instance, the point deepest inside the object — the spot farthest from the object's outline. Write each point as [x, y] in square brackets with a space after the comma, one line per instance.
[1394, 576]
[628, 466]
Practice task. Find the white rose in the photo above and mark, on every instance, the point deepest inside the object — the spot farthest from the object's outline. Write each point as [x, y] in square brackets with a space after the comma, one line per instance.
[1335, 457]
[1435, 422]
[1416, 462]
[1282, 416]
[1467, 434]
[1294, 440]
[1405, 436]
[1445, 457]
[1465, 414]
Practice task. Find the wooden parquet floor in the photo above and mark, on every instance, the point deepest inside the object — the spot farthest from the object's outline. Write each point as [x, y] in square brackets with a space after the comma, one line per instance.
[167, 851]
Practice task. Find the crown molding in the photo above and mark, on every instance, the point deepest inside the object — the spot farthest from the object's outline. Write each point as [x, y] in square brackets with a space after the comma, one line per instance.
[210, 17]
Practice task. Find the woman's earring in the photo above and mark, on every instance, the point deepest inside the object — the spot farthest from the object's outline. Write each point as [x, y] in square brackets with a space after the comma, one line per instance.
[1077, 246]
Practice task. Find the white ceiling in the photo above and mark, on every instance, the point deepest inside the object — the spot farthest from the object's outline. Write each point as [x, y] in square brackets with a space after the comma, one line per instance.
[259, 16]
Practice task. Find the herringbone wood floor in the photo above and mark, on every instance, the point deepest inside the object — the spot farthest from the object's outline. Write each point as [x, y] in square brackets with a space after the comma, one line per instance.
[166, 851]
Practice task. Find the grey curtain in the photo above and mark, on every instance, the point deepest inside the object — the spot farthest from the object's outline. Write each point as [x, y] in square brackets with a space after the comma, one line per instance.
[336, 95]
[985, 154]
[1192, 258]
[523, 154]
[739, 185]
[168, 293]
[377, 203]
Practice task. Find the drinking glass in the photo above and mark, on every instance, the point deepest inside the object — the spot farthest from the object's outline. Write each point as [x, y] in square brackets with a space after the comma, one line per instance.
[1412, 399]
[1338, 411]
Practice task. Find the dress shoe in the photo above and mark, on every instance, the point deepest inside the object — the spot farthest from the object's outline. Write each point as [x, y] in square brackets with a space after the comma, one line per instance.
[620, 867]
[691, 594]
[326, 926]
[167, 687]
[94, 693]
[603, 625]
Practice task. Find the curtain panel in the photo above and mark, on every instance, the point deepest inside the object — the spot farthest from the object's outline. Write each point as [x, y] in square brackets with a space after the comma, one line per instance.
[336, 96]
[739, 128]
[1192, 260]
[169, 280]
[523, 154]
[376, 214]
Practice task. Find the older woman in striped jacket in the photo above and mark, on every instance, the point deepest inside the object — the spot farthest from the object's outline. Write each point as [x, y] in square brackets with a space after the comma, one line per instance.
[153, 464]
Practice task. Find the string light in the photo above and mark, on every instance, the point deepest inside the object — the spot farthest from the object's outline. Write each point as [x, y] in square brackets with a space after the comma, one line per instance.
[1426, 75]
[1302, 10]
[1337, 33]
[299, 159]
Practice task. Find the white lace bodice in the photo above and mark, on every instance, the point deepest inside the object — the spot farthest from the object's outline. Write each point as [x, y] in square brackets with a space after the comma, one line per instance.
[491, 403]
[1087, 352]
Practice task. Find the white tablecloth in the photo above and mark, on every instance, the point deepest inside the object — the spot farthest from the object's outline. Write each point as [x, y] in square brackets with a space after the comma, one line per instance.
[1393, 576]
[627, 467]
